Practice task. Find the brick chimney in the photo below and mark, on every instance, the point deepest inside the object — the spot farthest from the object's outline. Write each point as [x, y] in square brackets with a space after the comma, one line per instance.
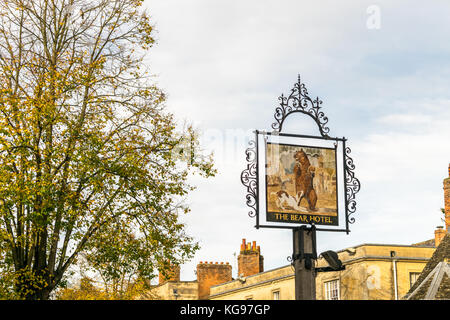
[447, 200]
[250, 260]
[439, 234]
[210, 274]
[171, 273]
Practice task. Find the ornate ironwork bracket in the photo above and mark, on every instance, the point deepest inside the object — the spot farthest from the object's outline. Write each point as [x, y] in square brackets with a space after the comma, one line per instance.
[352, 185]
[249, 178]
[299, 101]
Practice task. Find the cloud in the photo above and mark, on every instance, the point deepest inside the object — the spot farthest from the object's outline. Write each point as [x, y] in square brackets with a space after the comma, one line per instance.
[225, 63]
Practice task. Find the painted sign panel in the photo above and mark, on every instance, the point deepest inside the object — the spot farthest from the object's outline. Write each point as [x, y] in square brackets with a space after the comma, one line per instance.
[301, 184]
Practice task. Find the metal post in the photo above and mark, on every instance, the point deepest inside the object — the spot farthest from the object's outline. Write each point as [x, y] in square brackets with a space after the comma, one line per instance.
[304, 256]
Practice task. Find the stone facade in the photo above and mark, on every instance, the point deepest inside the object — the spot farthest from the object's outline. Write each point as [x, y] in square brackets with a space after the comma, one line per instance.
[208, 274]
[372, 272]
[176, 290]
[369, 275]
[261, 286]
[375, 271]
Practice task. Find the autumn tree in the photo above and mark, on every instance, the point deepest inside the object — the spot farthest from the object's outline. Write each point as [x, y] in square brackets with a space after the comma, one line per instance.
[85, 141]
[89, 289]
[86, 290]
[122, 263]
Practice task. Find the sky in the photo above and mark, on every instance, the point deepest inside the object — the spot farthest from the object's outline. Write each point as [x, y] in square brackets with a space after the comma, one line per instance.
[382, 70]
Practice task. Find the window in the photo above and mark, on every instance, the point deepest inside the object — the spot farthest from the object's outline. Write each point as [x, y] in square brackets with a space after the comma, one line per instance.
[276, 295]
[413, 276]
[332, 290]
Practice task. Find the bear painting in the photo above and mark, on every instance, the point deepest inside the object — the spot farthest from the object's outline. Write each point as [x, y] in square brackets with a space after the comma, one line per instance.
[301, 180]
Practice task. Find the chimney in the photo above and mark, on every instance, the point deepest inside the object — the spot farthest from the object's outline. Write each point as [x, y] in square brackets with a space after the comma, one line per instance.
[250, 260]
[447, 200]
[210, 274]
[171, 273]
[439, 234]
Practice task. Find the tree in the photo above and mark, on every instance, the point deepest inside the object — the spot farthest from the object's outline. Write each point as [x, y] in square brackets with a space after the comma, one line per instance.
[87, 290]
[123, 262]
[85, 140]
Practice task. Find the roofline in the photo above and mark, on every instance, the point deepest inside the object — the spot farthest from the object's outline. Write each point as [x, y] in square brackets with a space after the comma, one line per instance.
[352, 260]
[253, 275]
[253, 285]
[172, 281]
[421, 259]
[386, 245]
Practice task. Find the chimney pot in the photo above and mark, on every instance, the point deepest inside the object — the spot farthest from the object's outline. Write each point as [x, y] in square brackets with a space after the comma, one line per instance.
[250, 261]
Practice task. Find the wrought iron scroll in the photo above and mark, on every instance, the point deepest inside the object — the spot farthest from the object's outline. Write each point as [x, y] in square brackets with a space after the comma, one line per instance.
[299, 101]
[352, 185]
[249, 178]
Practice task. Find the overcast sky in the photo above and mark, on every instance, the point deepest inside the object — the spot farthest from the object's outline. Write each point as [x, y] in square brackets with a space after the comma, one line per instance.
[382, 70]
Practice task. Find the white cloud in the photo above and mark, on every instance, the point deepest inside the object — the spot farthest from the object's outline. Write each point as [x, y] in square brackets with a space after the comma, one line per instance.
[224, 64]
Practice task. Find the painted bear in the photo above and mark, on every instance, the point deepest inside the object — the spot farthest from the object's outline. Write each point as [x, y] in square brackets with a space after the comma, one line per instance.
[303, 178]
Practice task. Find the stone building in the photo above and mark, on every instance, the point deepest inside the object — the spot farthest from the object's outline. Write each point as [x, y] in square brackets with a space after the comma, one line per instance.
[209, 274]
[372, 272]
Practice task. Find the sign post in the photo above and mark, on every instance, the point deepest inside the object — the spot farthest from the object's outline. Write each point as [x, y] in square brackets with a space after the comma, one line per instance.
[308, 183]
[304, 256]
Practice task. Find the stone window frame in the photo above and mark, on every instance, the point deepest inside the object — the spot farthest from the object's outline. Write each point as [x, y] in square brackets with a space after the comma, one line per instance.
[328, 290]
[276, 291]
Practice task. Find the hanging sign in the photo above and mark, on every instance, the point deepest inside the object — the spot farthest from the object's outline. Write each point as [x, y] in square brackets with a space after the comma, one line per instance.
[305, 179]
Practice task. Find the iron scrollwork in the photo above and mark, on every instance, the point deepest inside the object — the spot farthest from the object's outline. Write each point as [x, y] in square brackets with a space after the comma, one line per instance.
[249, 178]
[299, 101]
[352, 185]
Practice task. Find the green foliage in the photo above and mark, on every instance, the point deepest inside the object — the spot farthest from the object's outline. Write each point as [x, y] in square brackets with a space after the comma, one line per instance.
[90, 161]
